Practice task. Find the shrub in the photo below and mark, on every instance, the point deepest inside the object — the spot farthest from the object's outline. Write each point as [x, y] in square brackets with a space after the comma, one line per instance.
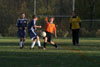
[98, 33]
[86, 33]
[12, 31]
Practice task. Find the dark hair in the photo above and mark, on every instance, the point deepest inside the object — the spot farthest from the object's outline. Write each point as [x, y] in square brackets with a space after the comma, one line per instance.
[51, 17]
[34, 16]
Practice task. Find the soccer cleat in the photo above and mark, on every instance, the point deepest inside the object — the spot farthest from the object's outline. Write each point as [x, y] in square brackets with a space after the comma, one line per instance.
[57, 47]
[44, 48]
[21, 47]
[31, 48]
[40, 47]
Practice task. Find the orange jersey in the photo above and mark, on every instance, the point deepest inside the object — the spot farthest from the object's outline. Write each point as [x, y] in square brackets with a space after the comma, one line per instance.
[50, 27]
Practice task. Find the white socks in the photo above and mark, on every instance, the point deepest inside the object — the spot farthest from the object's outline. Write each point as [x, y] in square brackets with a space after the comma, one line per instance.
[21, 43]
[33, 44]
[39, 44]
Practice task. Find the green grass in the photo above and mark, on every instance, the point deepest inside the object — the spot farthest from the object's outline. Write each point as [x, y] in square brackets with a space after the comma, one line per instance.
[86, 55]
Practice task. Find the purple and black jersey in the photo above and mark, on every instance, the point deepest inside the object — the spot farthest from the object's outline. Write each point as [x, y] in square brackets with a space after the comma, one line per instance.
[31, 25]
[21, 24]
[31, 29]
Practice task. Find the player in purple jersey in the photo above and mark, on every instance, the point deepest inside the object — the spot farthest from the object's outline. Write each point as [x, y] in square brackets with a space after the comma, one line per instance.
[32, 32]
[22, 26]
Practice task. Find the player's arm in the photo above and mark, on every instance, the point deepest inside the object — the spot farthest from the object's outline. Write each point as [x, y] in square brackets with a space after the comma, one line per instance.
[70, 23]
[46, 19]
[18, 24]
[37, 26]
[80, 25]
[70, 26]
[26, 24]
[55, 32]
[79, 20]
[45, 26]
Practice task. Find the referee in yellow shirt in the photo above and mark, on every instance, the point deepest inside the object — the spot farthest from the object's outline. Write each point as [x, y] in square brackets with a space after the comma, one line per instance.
[75, 25]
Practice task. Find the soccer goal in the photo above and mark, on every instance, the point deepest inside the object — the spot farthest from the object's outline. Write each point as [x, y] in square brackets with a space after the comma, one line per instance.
[55, 8]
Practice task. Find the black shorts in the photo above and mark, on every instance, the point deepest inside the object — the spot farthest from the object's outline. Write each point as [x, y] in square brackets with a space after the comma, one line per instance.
[49, 36]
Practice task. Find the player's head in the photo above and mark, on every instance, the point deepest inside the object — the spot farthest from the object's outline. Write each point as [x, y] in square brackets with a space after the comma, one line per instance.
[52, 19]
[73, 13]
[22, 15]
[35, 17]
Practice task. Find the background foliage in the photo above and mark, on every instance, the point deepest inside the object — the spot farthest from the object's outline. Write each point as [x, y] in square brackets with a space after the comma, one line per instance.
[10, 11]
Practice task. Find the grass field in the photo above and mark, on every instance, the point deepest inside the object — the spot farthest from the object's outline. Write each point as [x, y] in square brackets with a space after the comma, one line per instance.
[85, 55]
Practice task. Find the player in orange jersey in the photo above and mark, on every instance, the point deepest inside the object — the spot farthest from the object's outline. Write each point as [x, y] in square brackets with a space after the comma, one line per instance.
[50, 28]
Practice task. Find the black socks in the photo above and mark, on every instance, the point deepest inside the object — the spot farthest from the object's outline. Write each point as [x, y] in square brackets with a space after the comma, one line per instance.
[55, 45]
[44, 45]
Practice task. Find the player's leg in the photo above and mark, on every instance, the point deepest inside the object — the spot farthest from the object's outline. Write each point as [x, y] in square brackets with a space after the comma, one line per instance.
[20, 35]
[33, 38]
[51, 42]
[45, 42]
[77, 36]
[33, 43]
[21, 43]
[23, 37]
[54, 44]
[23, 40]
[38, 42]
[73, 37]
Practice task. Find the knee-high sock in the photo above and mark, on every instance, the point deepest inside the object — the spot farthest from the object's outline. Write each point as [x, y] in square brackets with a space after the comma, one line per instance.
[44, 45]
[21, 43]
[55, 45]
[33, 44]
[39, 44]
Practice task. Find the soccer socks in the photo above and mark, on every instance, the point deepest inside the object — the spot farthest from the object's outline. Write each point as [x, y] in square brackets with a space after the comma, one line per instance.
[33, 44]
[39, 44]
[21, 43]
[55, 45]
[44, 45]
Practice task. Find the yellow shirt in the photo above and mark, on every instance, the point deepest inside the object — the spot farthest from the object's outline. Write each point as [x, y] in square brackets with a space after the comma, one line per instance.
[75, 22]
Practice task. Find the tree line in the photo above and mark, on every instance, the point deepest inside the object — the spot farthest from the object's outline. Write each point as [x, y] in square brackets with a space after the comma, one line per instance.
[87, 9]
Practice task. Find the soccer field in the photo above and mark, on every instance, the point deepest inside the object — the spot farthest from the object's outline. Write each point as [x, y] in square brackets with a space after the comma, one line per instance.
[85, 55]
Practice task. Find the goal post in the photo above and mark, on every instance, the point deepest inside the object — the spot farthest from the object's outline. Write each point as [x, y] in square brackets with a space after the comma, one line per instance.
[35, 7]
[73, 7]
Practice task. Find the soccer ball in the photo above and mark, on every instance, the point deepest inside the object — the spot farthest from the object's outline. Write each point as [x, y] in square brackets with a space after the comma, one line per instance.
[43, 34]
